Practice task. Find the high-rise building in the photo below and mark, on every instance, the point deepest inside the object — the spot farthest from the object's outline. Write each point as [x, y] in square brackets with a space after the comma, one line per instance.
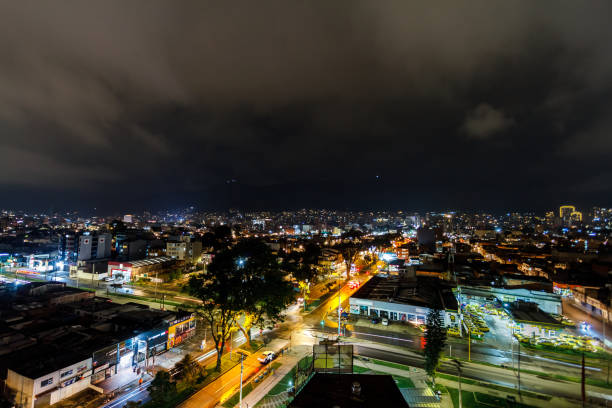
[568, 214]
[94, 246]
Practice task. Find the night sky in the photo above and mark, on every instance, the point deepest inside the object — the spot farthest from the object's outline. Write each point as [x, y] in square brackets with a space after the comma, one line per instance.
[123, 106]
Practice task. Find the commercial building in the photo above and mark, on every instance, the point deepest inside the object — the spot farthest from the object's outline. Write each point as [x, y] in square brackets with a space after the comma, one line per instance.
[533, 321]
[405, 299]
[146, 268]
[58, 341]
[46, 377]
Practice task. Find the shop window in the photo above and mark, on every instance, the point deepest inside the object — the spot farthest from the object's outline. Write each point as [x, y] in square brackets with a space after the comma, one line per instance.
[393, 315]
[373, 312]
[384, 314]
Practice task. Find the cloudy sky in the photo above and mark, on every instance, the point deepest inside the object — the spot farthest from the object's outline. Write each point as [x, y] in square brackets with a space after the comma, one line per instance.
[151, 104]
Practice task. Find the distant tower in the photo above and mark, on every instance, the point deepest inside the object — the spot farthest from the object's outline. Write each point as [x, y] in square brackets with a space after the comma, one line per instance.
[568, 214]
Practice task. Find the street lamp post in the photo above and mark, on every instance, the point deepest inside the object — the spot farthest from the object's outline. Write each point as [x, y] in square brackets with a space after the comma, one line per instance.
[241, 369]
[339, 322]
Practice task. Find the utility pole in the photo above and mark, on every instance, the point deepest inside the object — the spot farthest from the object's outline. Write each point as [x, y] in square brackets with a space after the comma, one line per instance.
[339, 303]
[583, 380]
[241, 369]
[156, 287]
[93, 271]
[469, 345]
[605, 320]
[519, 372]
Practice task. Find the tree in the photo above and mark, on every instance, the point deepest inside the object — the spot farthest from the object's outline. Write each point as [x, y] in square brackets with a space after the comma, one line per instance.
[188, 369]
[219, 287]
[349, 251]
[162, 388]
[435, 338]
[266, 290]
[349, 248]
[245, 282]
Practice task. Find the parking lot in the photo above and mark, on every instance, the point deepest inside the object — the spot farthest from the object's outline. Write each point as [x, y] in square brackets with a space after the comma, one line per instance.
[494, 327]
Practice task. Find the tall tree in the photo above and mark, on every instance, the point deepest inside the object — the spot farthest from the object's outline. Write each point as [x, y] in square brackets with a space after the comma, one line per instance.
[349, 248]
[162, 388]
[188, 369]
[244, 283]
[220, 288]
[266, 290]
[435, 338]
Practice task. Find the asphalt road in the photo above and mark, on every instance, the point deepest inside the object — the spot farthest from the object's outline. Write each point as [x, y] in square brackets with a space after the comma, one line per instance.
[493, 375]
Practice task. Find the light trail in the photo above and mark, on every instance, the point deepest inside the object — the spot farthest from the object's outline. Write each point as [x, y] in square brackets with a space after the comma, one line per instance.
[124, 398]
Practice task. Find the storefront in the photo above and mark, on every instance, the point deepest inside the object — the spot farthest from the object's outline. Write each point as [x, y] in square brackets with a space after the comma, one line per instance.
[180, 330]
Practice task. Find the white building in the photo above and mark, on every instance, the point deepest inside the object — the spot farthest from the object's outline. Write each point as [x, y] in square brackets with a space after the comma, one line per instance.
[38, 383]
[405, 300]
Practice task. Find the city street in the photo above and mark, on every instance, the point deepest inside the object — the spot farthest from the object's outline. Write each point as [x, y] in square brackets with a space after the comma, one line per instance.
[488, 374]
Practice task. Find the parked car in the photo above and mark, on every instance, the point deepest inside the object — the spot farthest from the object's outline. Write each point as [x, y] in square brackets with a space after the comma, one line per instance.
[385, 321]
[375, 320]
[267, 356]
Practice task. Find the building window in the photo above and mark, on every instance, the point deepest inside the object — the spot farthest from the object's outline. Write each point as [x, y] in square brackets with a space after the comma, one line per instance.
[65, 373]
[46, 382]
[384, 314]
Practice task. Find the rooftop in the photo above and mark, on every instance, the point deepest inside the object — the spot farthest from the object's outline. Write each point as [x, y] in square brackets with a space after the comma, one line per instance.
[422, 291]
[528, 312]
[349, 391]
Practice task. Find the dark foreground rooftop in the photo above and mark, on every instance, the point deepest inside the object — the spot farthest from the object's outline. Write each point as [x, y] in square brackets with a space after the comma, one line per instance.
[349, 391]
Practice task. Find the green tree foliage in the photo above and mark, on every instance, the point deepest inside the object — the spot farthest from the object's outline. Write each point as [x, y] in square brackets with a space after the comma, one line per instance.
[162, 388]
[244, 281]
[188, 370]
[435, 338]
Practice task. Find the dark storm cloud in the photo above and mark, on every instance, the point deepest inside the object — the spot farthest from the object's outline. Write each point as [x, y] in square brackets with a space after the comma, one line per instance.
[283, 96]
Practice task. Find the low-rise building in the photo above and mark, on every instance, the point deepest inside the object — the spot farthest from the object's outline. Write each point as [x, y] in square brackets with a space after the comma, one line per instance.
[405, 299]
[146, 268]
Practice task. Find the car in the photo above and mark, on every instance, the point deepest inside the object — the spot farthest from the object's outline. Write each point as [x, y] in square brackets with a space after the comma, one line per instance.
[452, 332]
[344, 315]
[266, 357]
[375, 320]
[108, 279]
[385, 321]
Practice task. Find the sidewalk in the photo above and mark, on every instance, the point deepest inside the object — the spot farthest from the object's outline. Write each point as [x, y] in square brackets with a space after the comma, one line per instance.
[288, 360]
